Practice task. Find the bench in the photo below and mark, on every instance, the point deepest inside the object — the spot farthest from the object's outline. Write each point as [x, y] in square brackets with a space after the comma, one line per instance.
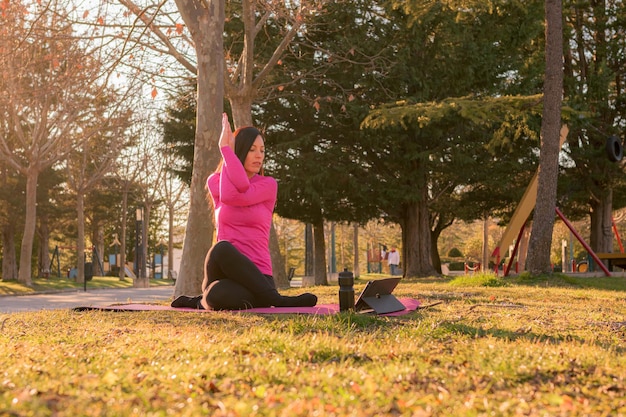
[614, 259]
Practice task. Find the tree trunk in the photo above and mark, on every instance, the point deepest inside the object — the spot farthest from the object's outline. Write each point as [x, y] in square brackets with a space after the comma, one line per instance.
[355, 267]
[123, 233]
[436, 259]
[538, 260]
[80, 240]
[440, 223]
[206, 23]
[434, 250]
[309, 257]
[278, 261]
[9, 261]
[97, 239]
[26, 252]
[484, 262]
[144, 246]
[602, 223]
[170, 241]
[319, 257]
[416, 237]
[331, 248]
[43, 233]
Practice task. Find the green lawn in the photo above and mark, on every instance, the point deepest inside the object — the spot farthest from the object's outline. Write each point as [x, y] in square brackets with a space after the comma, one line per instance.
[486, 346]
[64, 284]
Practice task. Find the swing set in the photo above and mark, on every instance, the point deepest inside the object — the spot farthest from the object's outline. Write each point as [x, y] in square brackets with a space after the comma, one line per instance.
[56, 257]
[518, 225]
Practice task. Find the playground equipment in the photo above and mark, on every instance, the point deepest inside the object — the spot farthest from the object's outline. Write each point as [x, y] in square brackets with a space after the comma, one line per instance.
[56, 256]
[518, 223]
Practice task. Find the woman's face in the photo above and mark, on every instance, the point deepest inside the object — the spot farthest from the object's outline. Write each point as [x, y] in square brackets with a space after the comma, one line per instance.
[255, 157]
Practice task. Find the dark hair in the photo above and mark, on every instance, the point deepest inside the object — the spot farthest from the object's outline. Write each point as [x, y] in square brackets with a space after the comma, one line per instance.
[244, 138]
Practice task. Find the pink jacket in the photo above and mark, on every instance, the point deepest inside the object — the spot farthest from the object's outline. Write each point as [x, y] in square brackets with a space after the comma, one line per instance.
[244, 209]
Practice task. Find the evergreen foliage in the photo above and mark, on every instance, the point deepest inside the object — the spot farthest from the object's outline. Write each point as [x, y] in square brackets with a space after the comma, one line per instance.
[179, 130]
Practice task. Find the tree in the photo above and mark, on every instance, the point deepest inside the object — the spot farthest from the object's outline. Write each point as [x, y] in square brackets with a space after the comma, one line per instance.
[52, 82]
[178, 125]
[443, 51]
[172, 191]
[150, 184]
[538, 260]
[313, 125]
[594, 83]
[9, 187]
[257, 37]
[86, 166]
[50, 188]
[205, 21]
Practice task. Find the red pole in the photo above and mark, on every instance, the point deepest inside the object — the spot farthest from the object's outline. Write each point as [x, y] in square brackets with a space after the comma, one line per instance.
[582, 242]
[519, 237]
[619, 240]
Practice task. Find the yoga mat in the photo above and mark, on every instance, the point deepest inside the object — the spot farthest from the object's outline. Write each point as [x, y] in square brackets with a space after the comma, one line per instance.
[410, 305]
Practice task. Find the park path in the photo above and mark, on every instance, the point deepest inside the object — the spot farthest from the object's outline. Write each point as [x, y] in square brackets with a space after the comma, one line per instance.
[71, 299]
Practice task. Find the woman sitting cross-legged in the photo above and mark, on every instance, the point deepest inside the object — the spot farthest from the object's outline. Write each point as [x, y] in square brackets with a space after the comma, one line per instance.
[238, 268]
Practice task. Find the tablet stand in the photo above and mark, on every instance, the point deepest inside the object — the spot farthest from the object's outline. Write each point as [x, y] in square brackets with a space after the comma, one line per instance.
[377, 297]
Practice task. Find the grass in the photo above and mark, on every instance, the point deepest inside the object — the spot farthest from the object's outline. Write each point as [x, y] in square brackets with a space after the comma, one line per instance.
[542, 346]
[53, 284]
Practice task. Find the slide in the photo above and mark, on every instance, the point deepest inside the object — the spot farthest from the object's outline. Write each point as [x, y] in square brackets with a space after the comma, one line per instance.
[129, 272]
[522, 212]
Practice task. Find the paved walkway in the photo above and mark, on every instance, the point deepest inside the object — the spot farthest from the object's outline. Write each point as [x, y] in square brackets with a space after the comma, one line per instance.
[68, 300]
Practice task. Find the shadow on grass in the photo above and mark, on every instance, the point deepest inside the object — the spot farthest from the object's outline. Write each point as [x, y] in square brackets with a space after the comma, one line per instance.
[508, 335]
[512, 336]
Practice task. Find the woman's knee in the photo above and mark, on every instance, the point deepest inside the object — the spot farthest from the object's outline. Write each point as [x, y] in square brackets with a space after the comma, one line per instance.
[221, 248]
[225, 294]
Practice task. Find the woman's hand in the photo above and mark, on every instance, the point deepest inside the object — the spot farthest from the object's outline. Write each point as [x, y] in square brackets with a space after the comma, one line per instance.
[226, 138]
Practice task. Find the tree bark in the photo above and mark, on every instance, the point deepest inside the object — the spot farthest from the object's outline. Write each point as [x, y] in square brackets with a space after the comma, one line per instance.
[416, 231]
[355, 268]
[43, 233]
[98, 242]
[538, 260]
[26, 252]
[309, 252]
[123, 232]
[602, 222]
[278, 261]
[80, 240]
[416, 239]
[170, 241]
[9, 261]
[484, 262]
[205, 21]
[319, 248]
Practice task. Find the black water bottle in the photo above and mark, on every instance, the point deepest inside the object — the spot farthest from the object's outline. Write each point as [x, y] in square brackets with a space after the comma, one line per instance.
[346, 290]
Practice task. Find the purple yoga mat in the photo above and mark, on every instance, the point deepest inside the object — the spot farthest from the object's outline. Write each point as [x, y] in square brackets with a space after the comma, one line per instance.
[410, 305]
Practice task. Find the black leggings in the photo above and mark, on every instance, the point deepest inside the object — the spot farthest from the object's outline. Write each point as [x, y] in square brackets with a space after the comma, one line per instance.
[232, 281]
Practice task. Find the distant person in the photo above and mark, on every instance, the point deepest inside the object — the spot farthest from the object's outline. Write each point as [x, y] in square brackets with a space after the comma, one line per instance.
[393, 260]
[238, 268]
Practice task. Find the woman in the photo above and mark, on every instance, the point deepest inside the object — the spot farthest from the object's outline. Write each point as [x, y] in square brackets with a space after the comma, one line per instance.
[238, 268]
